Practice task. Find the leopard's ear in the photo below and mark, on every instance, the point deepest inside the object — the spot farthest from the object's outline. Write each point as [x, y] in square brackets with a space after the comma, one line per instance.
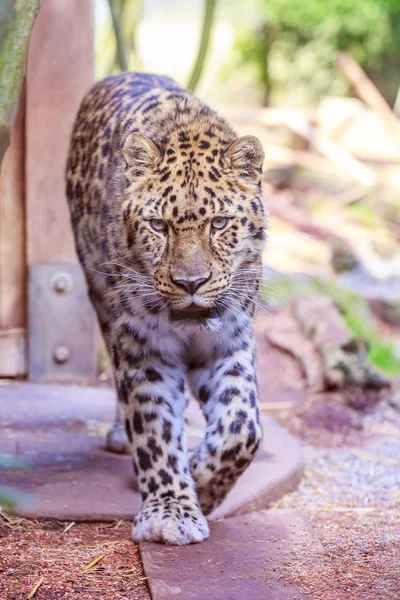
[141, 155]
[246, 157]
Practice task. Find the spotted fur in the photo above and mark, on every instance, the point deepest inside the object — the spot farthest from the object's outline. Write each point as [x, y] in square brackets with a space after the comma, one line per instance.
[152, 174]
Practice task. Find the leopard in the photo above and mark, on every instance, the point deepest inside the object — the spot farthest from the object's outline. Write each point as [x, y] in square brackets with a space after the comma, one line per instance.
[170, 227]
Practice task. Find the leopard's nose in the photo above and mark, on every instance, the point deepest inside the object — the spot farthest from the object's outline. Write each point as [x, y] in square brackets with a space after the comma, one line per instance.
[190, 285]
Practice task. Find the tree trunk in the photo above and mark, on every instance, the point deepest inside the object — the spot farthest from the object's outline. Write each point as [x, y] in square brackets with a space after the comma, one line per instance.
[16, 22]
[121, 54]
[208, 20]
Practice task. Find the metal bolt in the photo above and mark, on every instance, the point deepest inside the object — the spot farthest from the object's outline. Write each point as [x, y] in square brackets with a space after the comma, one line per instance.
[62, 282]
[61, 354]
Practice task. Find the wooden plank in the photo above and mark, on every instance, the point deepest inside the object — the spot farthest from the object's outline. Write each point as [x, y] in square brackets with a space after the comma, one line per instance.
[60, 71]
[13, 352]
[12, 252]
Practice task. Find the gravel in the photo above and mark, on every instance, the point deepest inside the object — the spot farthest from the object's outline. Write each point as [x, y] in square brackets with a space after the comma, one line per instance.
[351, 494]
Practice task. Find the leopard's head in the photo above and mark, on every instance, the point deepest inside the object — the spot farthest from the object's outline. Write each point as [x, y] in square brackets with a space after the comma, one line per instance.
[194, 217]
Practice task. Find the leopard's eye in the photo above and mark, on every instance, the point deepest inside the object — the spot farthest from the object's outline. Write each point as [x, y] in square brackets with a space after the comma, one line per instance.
[219, 222]
[158, 225]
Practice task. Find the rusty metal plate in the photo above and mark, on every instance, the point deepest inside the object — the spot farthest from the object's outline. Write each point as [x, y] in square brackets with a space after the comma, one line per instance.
[62, 324]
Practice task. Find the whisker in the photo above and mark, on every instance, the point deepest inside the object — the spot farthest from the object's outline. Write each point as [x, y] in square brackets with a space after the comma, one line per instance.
[137, 273]
[134, 286]
[268, 293]
[116, 253]
[257, 304]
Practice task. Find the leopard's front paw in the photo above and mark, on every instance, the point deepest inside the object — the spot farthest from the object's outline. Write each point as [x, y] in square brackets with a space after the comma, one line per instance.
[209, 499]
[170, 524]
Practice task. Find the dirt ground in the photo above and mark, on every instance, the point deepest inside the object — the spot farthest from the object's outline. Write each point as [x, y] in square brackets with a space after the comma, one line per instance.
[350, 492]
[32, 551]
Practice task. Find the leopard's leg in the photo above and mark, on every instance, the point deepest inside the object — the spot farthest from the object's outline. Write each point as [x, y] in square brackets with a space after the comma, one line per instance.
[116, 439]
[228, 394]
[152, 393]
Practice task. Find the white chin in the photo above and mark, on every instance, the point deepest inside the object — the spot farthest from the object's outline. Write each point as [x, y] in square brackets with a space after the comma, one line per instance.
[189, 326]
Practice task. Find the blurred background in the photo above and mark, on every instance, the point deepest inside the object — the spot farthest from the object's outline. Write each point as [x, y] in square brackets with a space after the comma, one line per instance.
[260, 52]
[318, 83]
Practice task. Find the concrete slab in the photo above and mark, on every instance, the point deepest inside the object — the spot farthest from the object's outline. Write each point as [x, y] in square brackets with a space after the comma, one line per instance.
[60, 430]
[249, 556]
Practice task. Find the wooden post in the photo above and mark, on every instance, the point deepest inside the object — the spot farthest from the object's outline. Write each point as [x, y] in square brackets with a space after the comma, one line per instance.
[60, 71]
[12, 253]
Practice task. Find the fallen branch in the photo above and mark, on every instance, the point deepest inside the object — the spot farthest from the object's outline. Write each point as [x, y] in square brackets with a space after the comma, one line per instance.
[94, 562]
[328, 148]
[280, 155]
[368, 92]
[344, 357]
[291, 340]
[35, 588]
[279, 206]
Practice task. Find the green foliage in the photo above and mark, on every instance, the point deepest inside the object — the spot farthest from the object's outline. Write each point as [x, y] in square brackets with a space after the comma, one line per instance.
[16, 24]
[365, 214]
[292, 44]
[6, 17]
[12, 462]
[355, 312]
[9, 497]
